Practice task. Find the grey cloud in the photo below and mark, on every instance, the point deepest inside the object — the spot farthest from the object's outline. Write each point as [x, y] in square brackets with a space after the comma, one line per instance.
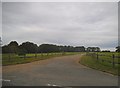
[0, 19]
[61, 23]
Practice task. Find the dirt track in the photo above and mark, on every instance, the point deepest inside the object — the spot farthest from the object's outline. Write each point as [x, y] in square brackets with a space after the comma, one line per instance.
[59, 71]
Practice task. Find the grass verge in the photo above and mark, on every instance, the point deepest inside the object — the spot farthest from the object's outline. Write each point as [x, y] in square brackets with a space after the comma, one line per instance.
[15, 59]
[93, 63]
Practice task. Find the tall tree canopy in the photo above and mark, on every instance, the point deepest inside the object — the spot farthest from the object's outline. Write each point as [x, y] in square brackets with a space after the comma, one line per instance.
[29, 47]
[45, 48]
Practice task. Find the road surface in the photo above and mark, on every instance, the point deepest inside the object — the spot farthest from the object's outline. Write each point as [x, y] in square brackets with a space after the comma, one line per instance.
[58, 71]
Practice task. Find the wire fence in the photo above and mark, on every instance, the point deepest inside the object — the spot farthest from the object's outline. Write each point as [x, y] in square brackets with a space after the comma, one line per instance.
[113, 59]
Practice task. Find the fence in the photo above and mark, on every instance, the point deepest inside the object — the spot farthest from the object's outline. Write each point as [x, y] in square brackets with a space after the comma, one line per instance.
[113, 59]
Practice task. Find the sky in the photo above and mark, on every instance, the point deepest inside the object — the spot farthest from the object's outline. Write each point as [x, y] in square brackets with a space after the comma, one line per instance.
[0, 18]
[62, 23]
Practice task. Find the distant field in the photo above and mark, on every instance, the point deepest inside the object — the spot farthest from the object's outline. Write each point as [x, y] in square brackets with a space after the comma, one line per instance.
[11, 59]
[104, 62]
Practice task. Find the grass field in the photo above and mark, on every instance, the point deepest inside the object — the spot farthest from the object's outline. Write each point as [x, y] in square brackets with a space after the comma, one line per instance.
[106, 66]
[109, 55]
[11, 59]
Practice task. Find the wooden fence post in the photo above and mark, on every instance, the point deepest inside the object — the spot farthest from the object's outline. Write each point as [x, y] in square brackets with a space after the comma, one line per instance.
[41, 54]
[113, 57]
[97, 56]
[9, 57]
[35, 55]
[24, 56]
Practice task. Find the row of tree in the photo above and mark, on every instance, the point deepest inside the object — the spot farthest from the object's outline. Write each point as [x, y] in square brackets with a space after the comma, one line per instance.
[29, 47]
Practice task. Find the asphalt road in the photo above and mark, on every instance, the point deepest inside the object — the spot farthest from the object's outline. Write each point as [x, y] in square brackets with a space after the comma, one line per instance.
[59, 71]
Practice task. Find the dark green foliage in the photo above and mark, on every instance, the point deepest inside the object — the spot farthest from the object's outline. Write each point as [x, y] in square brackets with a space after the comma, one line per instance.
[12, 47]
[93, 49]
[22, 52]
[118, 49]
[80, 49]
[45, 48]
[29, 47]
[106, 51]
[5, 49]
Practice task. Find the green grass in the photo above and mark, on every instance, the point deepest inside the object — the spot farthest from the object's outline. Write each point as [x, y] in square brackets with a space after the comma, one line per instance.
[16, 59]
[108, 56]
[92, 62]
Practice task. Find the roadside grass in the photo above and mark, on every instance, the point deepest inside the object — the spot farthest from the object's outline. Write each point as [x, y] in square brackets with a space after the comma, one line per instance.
[12, 59]
[108, 56]
[92, 62]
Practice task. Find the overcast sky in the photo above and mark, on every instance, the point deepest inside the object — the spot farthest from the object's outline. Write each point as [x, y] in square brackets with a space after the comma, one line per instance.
[76, 24]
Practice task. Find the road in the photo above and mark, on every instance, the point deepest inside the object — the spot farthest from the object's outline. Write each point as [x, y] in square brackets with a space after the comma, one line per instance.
[58, 71]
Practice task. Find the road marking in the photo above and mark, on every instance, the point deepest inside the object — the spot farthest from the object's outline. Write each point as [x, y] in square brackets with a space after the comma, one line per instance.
[7, 80]
[48, 84]
[52, 85]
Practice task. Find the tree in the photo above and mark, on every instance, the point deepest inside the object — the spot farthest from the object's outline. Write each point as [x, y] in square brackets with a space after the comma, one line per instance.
[118, 49]
[48, 48]
[13, 47]
[22, 51]
[80, 49]
[29, 47]
[5, 49]
[93, 49]
[105, 50]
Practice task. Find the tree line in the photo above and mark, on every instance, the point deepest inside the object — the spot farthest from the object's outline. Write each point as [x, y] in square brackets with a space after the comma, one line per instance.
[29, 47]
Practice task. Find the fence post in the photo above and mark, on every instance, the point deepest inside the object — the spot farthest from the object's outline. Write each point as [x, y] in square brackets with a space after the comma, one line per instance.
[113, 57]
[9, 57]
[41, 54]
[35, 55]
[97, 56]
[24, 56]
